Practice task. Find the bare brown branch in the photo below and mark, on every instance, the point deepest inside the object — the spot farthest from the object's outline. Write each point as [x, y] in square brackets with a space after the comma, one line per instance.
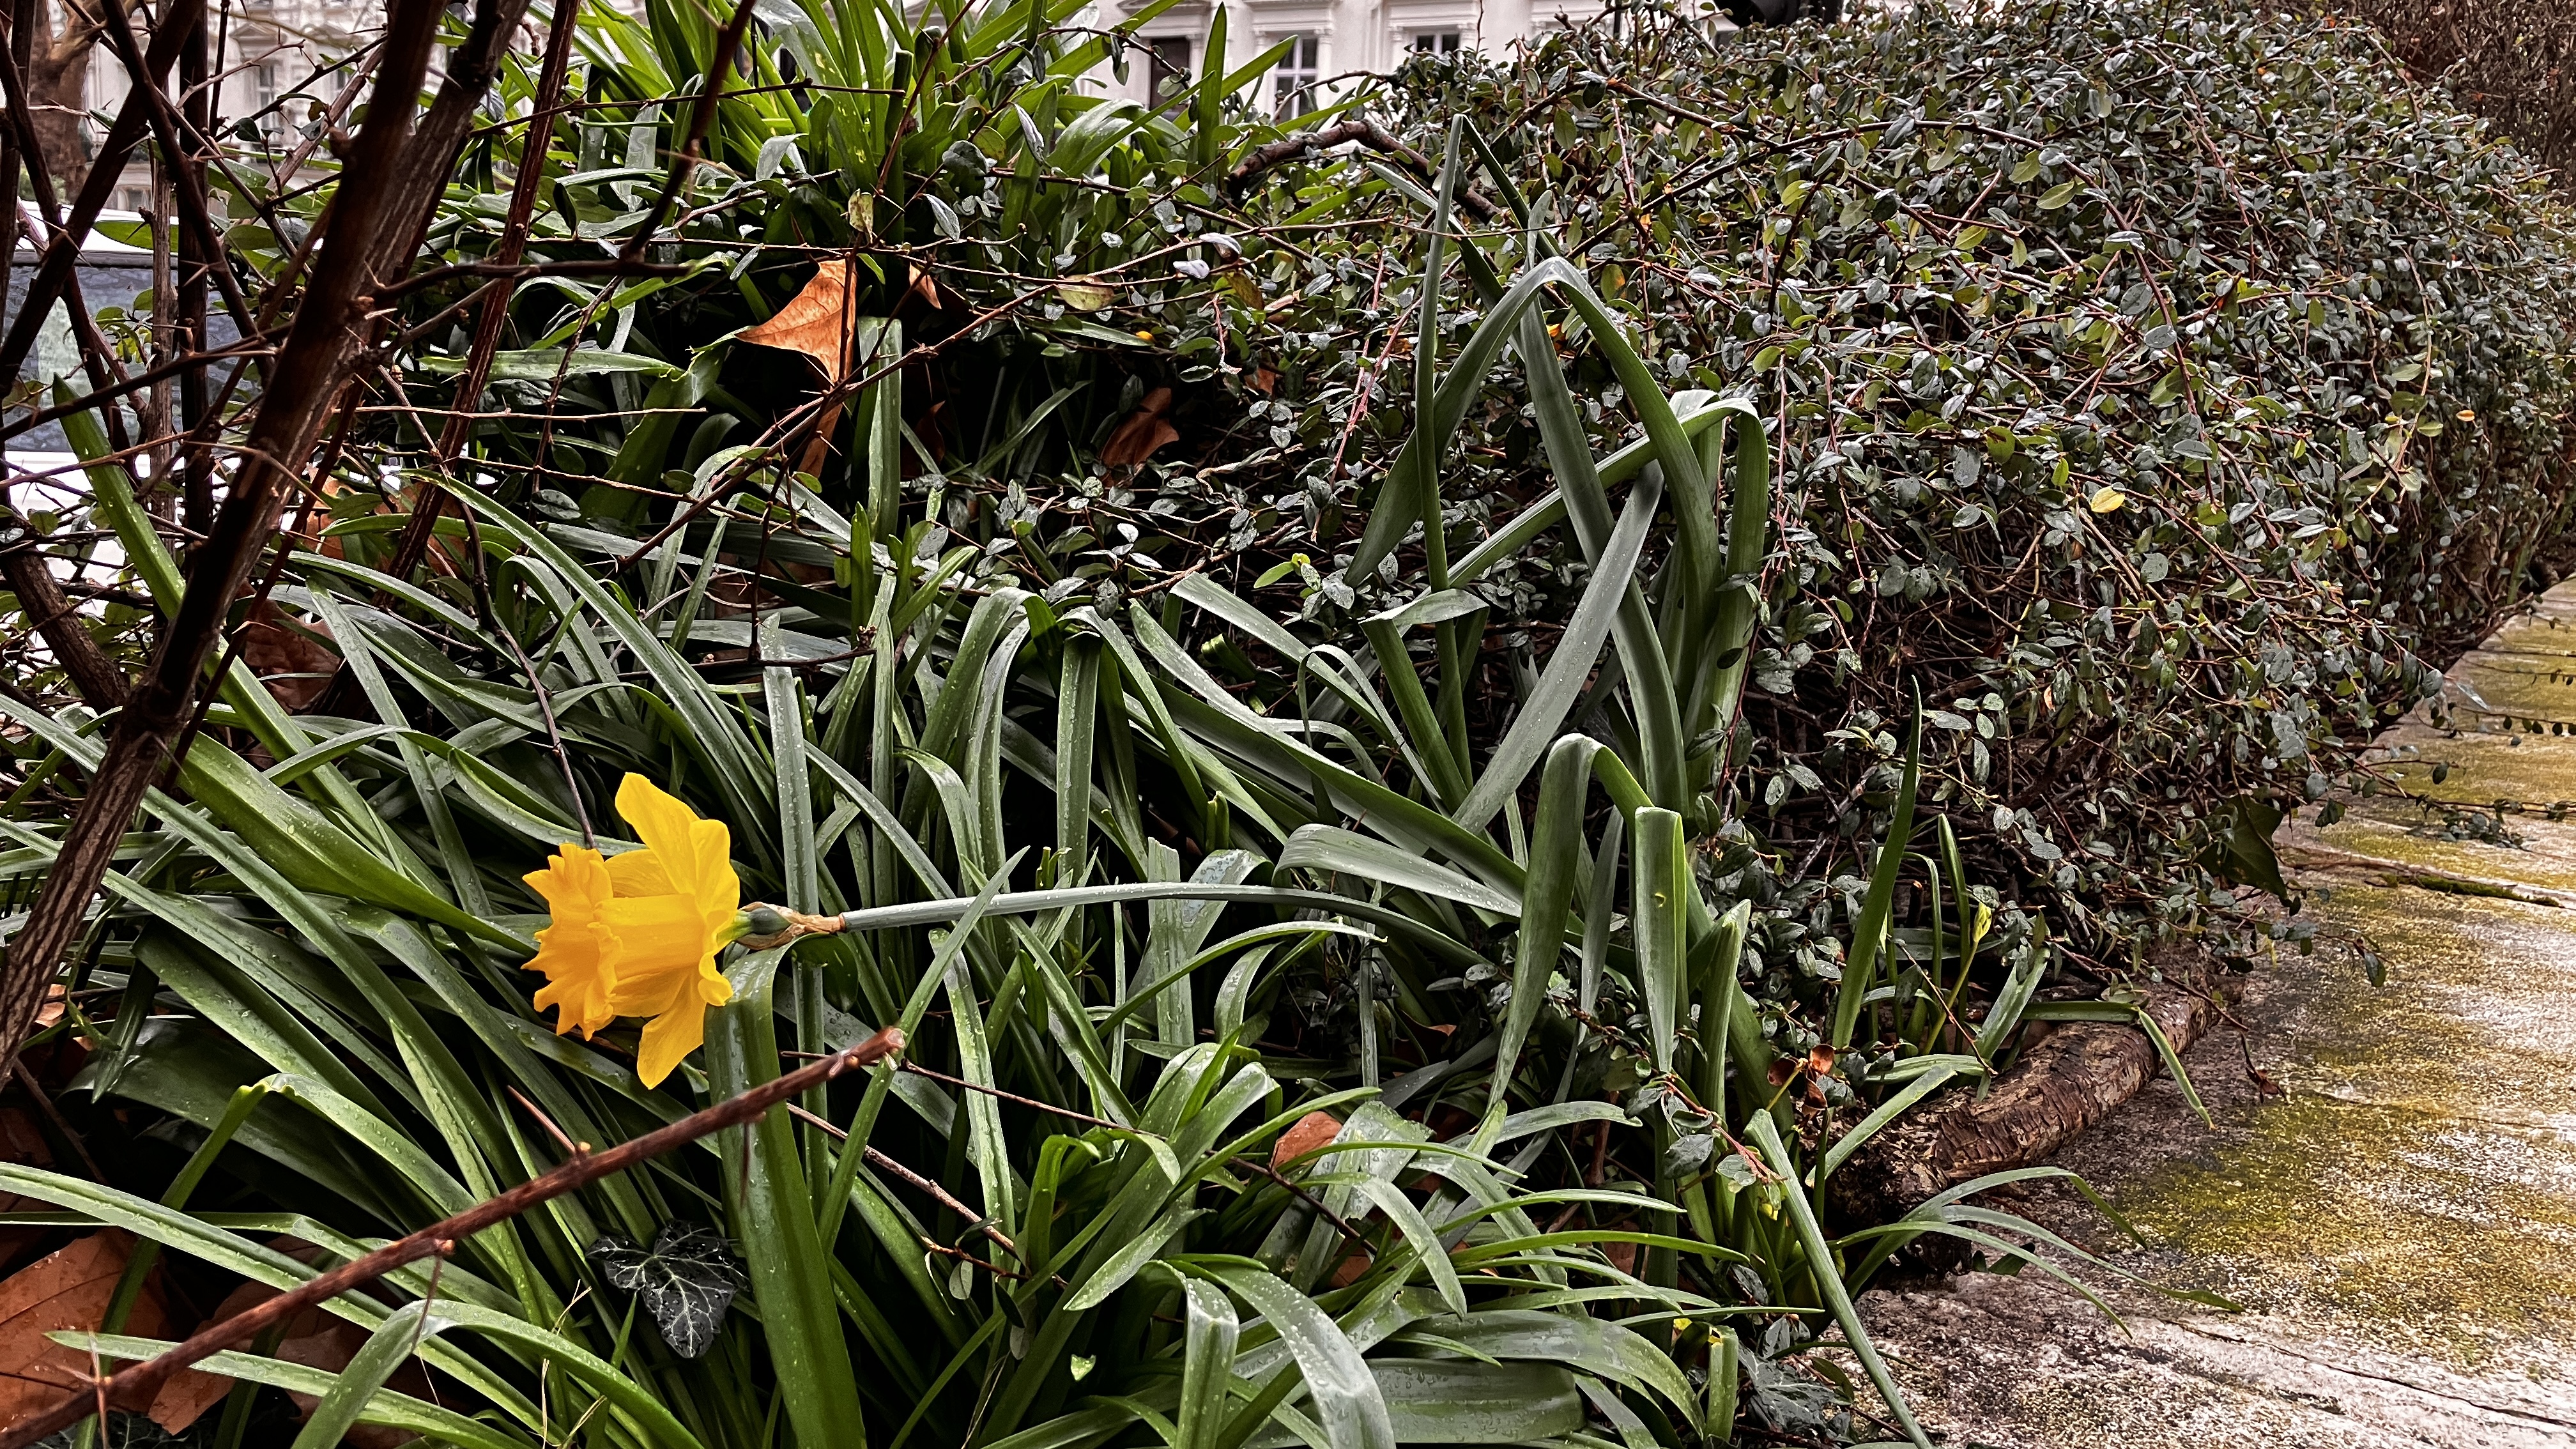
[313, 371]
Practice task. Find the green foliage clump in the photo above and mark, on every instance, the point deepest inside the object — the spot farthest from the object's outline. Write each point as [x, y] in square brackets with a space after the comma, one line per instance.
[2507, 62]
[1186, 643]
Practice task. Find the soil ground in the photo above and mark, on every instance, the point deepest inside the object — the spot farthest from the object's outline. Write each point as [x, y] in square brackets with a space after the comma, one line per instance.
[2398, 1219]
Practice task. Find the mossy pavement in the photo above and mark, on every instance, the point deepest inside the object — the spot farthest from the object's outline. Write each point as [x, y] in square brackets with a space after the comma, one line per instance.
[2398, 1218]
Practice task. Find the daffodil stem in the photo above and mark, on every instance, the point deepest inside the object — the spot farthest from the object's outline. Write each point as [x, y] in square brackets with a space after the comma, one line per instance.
[766, 926]
[137, 1384]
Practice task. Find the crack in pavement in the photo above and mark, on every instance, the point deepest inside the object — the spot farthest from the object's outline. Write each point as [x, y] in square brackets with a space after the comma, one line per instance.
[2271, 1345]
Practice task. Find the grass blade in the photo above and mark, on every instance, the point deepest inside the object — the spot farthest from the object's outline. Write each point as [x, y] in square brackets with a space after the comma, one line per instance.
[1659, 880]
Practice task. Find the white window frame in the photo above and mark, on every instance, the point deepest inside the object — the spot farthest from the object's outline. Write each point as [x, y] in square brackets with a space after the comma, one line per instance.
[1299, 73]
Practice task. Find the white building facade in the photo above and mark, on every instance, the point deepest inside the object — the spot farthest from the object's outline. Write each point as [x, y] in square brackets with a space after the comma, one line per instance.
[277, 61]
[1331, 38]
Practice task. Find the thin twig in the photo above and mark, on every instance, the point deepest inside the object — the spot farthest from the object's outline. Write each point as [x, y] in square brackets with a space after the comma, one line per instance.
[53, 1114]
[1362, 131]
[938, 1194]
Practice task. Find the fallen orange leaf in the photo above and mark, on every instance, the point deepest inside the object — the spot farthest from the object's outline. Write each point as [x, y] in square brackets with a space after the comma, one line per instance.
[1311, 1131]
[926, 289]
[816, 321]
[313, 1338]
[70, 1290]
[272, 648]
[1138, 437]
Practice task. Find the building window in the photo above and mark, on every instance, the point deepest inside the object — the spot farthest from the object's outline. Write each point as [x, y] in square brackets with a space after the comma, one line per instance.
[1293, 83]
[263, 80]
[1167, 66]
[135, 199]
[1435, 42]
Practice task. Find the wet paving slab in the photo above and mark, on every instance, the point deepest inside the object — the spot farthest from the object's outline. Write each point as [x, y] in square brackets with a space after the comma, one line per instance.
[2387, 1185]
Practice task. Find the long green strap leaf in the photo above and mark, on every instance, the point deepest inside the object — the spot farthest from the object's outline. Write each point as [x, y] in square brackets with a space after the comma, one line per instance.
[1568, 668]
[773, 1218]
[1338, 1380]
[1829, 1279]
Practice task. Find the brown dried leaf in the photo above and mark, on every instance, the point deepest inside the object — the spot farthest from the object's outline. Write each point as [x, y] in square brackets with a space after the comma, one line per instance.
[272, 649]
[67, 1290]
[1138, 437]
[1818, 1066]
[1315, 1129]
[924, 288]
[23, 1144]
[816, 321]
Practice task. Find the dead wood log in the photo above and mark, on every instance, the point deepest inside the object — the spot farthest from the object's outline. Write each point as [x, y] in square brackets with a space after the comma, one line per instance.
[2064, 1084]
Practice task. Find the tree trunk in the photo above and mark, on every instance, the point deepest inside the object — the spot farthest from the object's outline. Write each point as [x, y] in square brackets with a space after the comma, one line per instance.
[58, 89]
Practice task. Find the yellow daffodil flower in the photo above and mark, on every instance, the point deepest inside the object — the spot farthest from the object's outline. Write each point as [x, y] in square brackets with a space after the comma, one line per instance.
[637, 934]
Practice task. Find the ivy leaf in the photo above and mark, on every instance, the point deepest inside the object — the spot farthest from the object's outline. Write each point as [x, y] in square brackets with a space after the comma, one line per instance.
[686, 1281]
[1688, 1154]
[1788, 1402]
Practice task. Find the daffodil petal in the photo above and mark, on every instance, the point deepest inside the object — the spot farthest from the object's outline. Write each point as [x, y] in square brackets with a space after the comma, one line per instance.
[640, 873]
[573, 950]
[578, 1001]
[576, 874]
[697, 854]
[668, 1039]
[657, 946]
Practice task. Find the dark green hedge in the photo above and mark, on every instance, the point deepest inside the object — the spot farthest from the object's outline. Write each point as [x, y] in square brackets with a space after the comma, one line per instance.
[2155, 391]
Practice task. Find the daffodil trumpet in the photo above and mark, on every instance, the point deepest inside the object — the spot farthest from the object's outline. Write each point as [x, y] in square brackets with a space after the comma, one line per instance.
[636, 934]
